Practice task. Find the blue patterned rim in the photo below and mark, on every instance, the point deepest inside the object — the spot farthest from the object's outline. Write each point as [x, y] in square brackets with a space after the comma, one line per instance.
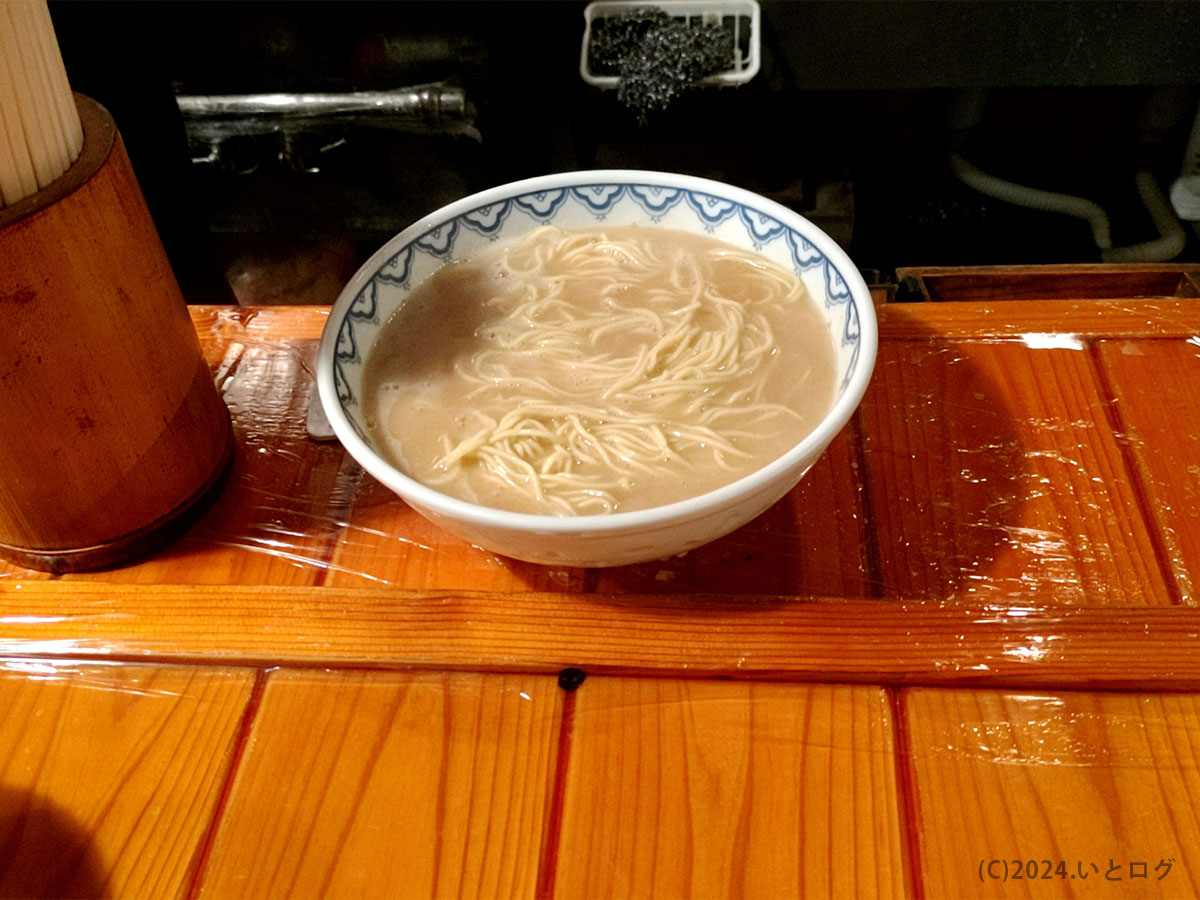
[598, 199]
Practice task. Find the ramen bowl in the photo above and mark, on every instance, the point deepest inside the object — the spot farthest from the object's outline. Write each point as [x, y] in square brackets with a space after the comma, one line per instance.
[583, 200]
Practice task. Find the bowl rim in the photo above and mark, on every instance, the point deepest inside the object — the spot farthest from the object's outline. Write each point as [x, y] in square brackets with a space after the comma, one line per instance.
[427, 498]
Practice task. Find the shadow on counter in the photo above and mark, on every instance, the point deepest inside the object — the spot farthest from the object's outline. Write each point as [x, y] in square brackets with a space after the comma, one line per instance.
[44, 852]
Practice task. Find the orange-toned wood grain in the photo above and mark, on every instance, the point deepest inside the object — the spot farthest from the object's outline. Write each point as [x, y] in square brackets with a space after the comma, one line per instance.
[994, 473]
[282, 510]
[386, 542]
[110, 422]
[721, 789]
[277, 514]
[380, 540]
[11, 572]
[1161, 317]
[109, 775]
[1157, 388]
[390, 785]
[1095, 781]
[681, 635]
[219, 326]
[813, 542]
[1096, 281]
[288, 504]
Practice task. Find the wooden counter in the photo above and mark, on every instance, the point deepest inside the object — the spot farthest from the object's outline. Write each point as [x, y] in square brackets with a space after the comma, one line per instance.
[960, 659]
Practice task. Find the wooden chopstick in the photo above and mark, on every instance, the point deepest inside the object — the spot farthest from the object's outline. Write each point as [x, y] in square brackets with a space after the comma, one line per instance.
[40, 132]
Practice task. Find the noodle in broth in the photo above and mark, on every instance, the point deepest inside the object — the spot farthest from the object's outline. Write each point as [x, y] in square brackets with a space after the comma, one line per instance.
[580, 372]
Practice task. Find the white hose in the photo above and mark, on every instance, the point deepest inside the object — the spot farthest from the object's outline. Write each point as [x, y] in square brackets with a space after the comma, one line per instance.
[1172, 238]
[1033, 198]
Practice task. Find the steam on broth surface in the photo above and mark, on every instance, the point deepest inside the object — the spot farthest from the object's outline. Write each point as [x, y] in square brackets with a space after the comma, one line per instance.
[580, 372]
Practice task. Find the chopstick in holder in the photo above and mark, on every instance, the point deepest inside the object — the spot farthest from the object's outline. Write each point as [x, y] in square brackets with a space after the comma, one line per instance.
[37, 17]
[56, 78]
[30, 96]
[40, 132]
[17, 178]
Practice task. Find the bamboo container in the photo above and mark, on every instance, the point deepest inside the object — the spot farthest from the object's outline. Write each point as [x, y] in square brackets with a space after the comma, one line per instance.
[112, 433]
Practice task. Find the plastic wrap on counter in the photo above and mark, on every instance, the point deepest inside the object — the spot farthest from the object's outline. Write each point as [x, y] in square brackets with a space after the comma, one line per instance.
[213, 777]
[965, 776]
[1028, 471]
[1042, 469]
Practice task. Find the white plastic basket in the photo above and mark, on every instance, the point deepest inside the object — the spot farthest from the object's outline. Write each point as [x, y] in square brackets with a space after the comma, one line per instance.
[745, 22]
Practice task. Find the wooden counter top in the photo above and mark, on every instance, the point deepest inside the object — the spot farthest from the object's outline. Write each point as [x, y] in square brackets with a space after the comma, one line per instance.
[967, 641]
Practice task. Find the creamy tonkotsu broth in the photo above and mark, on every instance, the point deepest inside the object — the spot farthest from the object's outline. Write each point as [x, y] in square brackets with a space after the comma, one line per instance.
[581, 372]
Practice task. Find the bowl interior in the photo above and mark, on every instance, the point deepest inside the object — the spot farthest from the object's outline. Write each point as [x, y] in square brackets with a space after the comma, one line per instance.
[586, 200]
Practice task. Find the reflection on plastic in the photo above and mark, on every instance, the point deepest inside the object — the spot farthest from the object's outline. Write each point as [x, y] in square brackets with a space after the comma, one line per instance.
[115, 678]
[976, 470]
[1002, 468]
[1053, 342]
[1087, 730]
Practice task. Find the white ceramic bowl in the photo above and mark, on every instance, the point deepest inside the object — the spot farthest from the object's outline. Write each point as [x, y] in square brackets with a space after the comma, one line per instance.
[580, 200]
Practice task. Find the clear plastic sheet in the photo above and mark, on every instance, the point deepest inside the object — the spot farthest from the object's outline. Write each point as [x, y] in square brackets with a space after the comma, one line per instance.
[110, 678]
[975, 470]
[233, 782]
[1036, 728]
[1006, 472]
[1006, 531]
[1082, 730]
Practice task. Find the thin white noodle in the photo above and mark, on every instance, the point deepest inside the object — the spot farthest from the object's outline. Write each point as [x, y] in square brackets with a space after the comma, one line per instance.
[657, 408]
[649, 376]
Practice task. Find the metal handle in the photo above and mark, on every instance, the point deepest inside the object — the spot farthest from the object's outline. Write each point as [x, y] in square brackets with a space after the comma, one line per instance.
[212, 120]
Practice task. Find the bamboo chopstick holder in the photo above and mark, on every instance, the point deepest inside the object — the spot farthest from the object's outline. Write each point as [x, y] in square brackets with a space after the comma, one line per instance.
[113, 434]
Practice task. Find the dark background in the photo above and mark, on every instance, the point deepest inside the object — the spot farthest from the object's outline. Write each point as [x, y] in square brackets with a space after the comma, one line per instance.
[850, 122]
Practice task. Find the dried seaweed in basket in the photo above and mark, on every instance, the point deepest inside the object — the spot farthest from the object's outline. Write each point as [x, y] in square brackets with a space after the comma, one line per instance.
[656, 56]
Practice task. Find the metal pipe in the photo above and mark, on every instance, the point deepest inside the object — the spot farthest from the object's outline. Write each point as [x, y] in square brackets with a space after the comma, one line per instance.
[440, 106]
